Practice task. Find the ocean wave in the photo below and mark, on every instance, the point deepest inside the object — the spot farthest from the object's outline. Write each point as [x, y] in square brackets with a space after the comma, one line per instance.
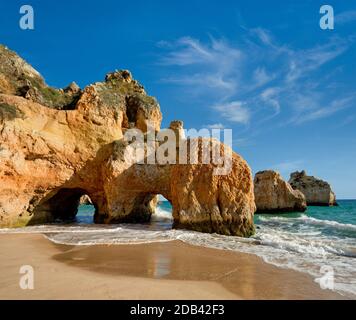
[101, 241]
[311, 243]
[62, 229]
[331, 223]
[310, 220]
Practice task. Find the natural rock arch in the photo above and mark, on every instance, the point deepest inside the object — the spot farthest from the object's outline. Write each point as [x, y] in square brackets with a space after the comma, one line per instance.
[51, 153]
[61, 204]
[200, 200]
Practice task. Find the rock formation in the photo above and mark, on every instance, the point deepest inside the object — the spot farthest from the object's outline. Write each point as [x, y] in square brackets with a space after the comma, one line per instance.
[316, 191]
[85, 200]
[58, 145]
[273, 194]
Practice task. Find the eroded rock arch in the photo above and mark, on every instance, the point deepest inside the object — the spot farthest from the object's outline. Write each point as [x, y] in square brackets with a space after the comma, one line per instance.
[51, 154]
[61, 204]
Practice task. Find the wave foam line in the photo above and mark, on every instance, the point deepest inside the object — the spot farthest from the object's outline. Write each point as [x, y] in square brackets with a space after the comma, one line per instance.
[311, 220]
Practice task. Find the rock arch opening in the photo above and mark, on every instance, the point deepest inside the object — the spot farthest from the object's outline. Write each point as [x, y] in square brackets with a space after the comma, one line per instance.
[64, 205]
[163, 214]
[86, 210]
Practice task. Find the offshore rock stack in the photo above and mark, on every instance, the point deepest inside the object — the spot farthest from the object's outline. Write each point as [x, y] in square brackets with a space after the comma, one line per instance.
[316, 191]
[273, 194]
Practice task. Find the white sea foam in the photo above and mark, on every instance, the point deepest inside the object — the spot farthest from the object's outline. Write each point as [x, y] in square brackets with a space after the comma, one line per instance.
[162, 215]
[311, 220]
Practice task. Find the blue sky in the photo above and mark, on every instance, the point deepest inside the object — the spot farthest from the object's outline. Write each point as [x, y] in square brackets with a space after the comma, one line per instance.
[266, 69]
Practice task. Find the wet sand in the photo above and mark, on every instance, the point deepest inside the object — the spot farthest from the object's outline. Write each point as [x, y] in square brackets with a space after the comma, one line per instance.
[165, 270]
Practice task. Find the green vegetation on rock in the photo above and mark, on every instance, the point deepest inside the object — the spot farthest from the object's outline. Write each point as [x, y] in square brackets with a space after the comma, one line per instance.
[9, 112]
[19, 78]
[118, 90]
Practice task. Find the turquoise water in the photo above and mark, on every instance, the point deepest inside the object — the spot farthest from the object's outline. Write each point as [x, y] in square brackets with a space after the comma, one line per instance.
[344, 213]
[306, 242]
[339, 221]
[336, 225]
[85, 214]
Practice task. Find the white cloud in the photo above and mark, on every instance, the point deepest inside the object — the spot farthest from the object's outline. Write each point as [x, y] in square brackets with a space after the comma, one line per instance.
[210, 65]
[189, 51]
[270, 95]
[218, 54]
[261, 77]
[258, 76]
[234, 111]
[325, 111]
[203, 81]
[263, 35]
[215, 126]
[303, 62]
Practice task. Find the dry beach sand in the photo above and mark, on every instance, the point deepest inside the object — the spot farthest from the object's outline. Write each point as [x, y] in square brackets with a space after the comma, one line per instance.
[166, 270]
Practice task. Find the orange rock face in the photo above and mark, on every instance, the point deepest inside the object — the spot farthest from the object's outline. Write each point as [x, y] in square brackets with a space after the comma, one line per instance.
[316, 191]
[58, 145]
[273, 194]
[201, 200]
[206, 202]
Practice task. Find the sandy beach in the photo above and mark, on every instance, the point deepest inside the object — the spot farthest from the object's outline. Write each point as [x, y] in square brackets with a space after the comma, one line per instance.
[166, 270]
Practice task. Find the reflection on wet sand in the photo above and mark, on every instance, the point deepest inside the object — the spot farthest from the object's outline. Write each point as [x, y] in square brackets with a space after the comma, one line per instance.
[242, 274]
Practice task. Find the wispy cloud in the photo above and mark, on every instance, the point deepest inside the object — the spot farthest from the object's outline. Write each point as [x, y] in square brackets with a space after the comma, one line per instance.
[303, 62]
[325, 111]
[215, 126]
[263, 35]
[270, 96]
[211, 65]
[257, 77]
[204, 81]
[345, 17]
[190, 51]
[235, 111]
[261, 77]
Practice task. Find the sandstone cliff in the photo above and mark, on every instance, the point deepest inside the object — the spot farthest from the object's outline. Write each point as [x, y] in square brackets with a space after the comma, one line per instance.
[316, 191]
[273, 194]
[57, 145]
[18, 78]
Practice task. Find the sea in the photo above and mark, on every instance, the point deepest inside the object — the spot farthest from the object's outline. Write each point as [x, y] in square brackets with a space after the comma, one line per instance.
[320, 242]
